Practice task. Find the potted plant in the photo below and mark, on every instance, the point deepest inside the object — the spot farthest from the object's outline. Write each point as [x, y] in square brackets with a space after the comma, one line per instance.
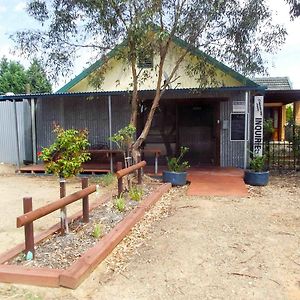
[176, 173]
[257, 175]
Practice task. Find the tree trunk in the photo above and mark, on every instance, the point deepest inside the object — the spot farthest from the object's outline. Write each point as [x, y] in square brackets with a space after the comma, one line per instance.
[63, 211]
[134, 98]
[136, 146]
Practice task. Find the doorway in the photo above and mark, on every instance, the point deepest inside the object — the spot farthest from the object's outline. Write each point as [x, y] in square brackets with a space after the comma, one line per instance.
[198, 129]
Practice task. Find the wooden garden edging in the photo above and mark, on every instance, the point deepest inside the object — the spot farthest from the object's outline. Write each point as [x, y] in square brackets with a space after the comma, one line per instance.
[81, 268]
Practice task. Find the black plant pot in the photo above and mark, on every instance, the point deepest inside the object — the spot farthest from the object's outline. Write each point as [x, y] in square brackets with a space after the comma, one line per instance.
[176, 178]
[256, 178]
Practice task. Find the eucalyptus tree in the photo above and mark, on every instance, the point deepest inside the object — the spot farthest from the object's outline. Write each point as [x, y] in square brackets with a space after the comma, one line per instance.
[236, 32]
[294, 8]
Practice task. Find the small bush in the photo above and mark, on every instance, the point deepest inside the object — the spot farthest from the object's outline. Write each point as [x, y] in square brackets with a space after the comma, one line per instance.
[66, 155]
[135, 193]
[107, 179]
[97, 231]
[120, 203]
[175, 164]
[257, 163]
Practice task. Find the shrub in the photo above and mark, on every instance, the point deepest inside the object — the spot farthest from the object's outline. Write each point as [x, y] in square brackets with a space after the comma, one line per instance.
[175, 164]
[268, 129]
[120, 203]
[124, 137]
[66, 155]
[97, 231]
[135, 193]
[257, 163]
[107, 179]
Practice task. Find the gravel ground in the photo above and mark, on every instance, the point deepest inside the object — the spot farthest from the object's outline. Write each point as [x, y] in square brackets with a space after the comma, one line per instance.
[201, 248]
[60, 251]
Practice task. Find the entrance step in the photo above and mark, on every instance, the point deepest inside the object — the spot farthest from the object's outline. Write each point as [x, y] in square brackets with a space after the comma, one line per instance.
[217, 182]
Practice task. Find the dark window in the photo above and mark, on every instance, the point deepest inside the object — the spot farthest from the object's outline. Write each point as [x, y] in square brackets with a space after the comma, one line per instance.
[237, 127]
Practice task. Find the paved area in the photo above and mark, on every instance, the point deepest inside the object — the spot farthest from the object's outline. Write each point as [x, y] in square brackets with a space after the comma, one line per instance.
[217, 182]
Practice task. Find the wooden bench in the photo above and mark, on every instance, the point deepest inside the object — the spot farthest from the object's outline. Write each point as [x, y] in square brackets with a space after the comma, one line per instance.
[111, 154]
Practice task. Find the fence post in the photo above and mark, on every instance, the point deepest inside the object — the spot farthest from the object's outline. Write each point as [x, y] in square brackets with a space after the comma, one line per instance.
[85, 201]
[63, 211]
[119, 165]
[139, 171]
[28, 229]
[120, 180]
[120, 186]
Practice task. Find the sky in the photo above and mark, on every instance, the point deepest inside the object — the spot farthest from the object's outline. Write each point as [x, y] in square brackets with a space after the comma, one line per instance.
[286, 62]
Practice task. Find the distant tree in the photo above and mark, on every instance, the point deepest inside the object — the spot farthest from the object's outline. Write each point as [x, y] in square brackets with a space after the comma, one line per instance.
[15, 78]
[12, 77]
[37, 79]
[294, 8]
[289, 114]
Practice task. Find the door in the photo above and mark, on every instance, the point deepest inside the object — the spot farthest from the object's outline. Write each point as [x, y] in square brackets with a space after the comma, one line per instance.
[199, 130]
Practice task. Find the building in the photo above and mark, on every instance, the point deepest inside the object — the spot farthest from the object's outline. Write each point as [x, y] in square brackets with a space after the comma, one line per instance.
[276, 111]
[218, 123]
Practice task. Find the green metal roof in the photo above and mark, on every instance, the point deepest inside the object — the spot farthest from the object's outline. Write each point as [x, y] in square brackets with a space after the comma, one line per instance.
[179, 42]
[169, 92]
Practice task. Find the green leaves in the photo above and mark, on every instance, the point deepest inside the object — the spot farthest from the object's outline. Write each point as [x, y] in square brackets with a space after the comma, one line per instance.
[124, 137]
[97, 231]
[14, 77]
[175, 164]
[135, 193]
[235, 32]
[120, 203]
[257, 163]
[66, 155]
[37, 78]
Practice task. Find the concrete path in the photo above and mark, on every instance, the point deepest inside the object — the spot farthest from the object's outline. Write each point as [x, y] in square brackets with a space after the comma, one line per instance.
[217, 182]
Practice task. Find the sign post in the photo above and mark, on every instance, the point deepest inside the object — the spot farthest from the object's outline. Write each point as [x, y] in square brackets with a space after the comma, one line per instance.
[258, 126]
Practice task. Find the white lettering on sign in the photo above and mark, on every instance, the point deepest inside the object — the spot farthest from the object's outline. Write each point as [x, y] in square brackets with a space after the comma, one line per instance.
[258, 128]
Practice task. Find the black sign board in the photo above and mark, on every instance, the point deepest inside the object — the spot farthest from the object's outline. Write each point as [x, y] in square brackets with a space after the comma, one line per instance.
[237, 127]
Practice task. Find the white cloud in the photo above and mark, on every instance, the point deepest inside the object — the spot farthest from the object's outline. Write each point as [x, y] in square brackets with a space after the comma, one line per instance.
[3, 8]
[20, 6]
[5, 51]
[287, 61]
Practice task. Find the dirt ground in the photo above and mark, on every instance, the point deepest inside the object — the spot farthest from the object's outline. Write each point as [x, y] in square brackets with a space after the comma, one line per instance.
[202, 248]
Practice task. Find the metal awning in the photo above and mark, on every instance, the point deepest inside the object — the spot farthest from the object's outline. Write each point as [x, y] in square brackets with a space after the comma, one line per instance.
[147, 93]
[282, 96]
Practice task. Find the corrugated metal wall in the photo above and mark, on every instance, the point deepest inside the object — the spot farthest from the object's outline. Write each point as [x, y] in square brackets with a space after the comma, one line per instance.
[8, 146]
[232, 152]
[48, 112]
[121, 110]
[79, 113]
[76, 112]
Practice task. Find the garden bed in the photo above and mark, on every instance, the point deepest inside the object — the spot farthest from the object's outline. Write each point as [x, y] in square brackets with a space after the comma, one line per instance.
[67, 260]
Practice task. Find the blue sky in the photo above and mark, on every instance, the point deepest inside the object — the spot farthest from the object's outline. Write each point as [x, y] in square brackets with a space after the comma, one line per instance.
[285, 63]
